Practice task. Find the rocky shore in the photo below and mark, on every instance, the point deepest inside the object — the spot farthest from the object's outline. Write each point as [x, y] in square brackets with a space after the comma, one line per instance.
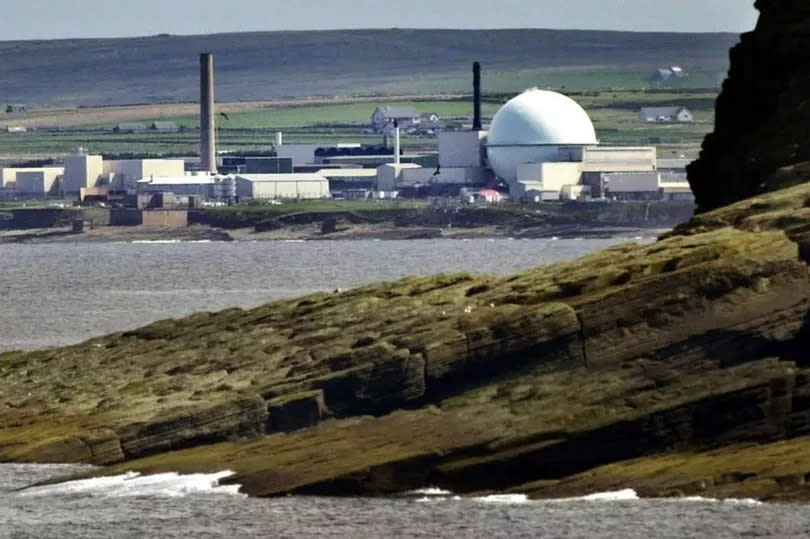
[650, 367]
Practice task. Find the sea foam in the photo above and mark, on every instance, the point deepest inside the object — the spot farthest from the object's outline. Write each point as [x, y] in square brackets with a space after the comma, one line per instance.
[132, 484]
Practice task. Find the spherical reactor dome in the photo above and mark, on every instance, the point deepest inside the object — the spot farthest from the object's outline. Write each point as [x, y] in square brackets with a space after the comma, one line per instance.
[531, 127]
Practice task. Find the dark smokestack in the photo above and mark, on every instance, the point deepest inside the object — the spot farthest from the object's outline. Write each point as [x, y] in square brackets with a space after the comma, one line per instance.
[208, 156]
[476, 96]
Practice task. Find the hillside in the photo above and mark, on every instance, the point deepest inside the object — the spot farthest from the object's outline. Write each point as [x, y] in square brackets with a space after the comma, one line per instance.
[255, 66]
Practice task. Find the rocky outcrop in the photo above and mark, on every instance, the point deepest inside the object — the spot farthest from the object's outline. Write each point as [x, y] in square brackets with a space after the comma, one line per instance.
[472, 383]
[762, 112]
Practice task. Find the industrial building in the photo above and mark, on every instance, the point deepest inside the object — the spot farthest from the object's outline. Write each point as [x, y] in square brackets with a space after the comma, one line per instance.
[201, 185]
[543, 143]
[281, 186]
[9, 176]
[123, 175]
[38, 183]
[81, 172]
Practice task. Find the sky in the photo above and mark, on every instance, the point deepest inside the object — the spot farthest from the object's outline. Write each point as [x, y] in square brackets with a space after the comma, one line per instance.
[52, 19]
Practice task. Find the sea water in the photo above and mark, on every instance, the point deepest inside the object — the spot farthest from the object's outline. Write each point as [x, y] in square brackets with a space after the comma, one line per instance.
[199, 506]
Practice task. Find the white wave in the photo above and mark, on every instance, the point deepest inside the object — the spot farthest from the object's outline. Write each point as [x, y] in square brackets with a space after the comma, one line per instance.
[147, 242]
[614, 496]
[437, 499]
[503, 498]
[731, 501]
[132, 484]
[429, 491]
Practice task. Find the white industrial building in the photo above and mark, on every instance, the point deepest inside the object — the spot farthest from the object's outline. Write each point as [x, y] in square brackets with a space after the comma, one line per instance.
[543, 144]
[82, 172]
[281, 186]
[301, 154]
[390, 175]
[9, 176]
[124, 174]
[39, 183]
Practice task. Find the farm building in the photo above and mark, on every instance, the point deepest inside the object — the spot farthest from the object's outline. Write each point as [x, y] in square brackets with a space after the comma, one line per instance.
[130, 128]
[666, 115]
[405, 116]
[281, 186]
[667, 73]
[164, 127]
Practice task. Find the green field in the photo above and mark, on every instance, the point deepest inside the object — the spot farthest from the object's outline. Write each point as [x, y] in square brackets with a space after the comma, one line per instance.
[614, 113]
[270, 65]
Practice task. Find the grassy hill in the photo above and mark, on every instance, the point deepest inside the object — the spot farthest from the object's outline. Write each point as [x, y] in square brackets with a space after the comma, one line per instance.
[265, 65]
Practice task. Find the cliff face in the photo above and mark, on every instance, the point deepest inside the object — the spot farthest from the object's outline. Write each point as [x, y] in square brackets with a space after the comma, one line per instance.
[763, 112]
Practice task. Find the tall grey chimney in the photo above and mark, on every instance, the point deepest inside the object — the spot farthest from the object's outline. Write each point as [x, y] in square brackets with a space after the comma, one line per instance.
[476, 97]
[208, 143]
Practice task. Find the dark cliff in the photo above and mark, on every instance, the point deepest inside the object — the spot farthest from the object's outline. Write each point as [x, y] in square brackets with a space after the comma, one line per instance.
[763, 112]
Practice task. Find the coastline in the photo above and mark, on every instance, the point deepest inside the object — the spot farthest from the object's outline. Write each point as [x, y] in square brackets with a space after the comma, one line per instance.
[313, 232]
[567, 379]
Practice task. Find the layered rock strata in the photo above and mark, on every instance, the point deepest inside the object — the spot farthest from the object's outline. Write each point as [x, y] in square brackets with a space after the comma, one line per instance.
[473, 383]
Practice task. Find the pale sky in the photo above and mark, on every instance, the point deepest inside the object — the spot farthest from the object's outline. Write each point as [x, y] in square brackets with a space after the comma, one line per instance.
[49, 19]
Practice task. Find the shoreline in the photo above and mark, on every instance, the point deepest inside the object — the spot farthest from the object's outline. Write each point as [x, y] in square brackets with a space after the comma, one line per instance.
[206, 233]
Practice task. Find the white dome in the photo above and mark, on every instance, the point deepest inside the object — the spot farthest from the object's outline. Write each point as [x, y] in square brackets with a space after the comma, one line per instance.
[532, 126]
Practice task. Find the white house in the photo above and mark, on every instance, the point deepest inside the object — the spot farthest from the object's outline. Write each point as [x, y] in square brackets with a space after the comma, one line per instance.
[405, 116]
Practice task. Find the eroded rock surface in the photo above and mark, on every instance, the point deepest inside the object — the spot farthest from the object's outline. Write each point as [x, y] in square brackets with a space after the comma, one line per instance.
[472, 383]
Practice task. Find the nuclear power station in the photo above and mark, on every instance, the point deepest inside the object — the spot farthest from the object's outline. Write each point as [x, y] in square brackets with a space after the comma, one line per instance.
[540, 146]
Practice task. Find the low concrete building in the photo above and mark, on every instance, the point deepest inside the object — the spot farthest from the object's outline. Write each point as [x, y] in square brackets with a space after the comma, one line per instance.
[644, 186]
[619, 159]
[42, 182]
[282, 186]
[8, 175]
